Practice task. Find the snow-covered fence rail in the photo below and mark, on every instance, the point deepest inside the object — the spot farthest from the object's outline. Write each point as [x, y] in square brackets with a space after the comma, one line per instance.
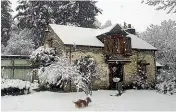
[16, 67]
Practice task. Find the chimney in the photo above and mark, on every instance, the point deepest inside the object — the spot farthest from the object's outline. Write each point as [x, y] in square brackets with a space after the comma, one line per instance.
[129, 25]
[130, 29]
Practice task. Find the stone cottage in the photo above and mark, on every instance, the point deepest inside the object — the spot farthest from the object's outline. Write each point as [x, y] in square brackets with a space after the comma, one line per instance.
[111, 47]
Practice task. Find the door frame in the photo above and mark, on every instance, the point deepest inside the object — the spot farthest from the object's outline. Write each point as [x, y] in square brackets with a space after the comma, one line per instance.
[111, 83]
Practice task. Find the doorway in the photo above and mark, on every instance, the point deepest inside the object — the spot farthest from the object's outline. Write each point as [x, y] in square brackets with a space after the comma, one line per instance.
[116, 69]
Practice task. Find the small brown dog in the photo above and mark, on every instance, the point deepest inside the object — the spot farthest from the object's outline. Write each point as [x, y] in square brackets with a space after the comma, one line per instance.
[82, 103]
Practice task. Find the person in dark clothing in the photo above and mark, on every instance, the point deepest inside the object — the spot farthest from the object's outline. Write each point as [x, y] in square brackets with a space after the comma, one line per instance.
[119, 75]
[119, 85]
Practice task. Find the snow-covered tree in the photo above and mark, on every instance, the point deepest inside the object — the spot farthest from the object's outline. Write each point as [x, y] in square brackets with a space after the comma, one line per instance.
[37, 14]
[166, 82]
[169, 5]
[6, 20]
[20, 44]
[43, 56]
[163, 37]
[97, 24]
[89, 72]
[107, 24]
[34, 15]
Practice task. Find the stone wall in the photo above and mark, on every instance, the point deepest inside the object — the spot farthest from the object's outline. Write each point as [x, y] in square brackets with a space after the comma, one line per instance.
[56, 41]
[97, 54]
[130, 69]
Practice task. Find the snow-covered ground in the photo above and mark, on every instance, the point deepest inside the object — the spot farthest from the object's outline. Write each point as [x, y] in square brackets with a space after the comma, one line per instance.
[133, 100]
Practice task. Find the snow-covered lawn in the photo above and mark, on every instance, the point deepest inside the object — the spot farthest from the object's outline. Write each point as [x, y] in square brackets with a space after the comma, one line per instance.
[133, 100]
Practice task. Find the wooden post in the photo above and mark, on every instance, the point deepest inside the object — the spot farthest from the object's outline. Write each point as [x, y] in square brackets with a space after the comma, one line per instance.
[70, 63]
[91, 85]
[13, 69]
[137, 62]
[155, 69]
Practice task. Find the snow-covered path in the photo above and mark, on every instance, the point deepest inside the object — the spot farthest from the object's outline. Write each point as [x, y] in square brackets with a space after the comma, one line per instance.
[102, 101]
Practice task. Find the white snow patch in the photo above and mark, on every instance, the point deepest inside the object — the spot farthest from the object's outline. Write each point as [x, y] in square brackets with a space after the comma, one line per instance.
[133, 100]
[14, 83]
[139, 43]
[158, 64]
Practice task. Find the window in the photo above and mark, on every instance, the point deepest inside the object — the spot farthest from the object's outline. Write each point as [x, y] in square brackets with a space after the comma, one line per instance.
[116, 45]
[111, 44]
[50, 42]
[143, 66]
[127, 48]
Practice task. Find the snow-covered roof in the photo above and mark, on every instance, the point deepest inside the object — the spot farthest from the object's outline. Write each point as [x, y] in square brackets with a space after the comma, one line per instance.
[158, 64]
[138, 43]
[105, 30]
[77, 35]
[87, 36]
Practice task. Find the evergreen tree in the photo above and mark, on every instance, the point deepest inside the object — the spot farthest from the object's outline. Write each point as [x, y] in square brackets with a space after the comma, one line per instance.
[37, 14]
[6, 19]
[34, 15]
[84, 13]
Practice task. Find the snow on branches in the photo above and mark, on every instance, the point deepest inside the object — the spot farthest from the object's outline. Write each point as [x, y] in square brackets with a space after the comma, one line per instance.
[166, 82]
[43, 56]
[89, 72]
[58, 71]
[20, 44]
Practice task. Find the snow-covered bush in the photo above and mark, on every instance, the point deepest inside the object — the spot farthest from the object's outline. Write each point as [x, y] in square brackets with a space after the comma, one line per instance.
[58, 73]
[14, 87]
[88, 71]
[20, 44]
[54, 72]
[166, 82]
[43, 56]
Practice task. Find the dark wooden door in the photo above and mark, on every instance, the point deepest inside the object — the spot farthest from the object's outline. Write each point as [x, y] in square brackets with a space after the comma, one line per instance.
[115, 70]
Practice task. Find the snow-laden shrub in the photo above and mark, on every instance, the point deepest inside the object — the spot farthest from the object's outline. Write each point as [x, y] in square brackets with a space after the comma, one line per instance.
[58, 73]
[43, 56]
[166, 82]
[88, 71]
[14, 87]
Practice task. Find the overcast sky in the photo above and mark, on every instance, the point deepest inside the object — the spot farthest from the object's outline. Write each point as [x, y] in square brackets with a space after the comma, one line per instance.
[129, 11]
